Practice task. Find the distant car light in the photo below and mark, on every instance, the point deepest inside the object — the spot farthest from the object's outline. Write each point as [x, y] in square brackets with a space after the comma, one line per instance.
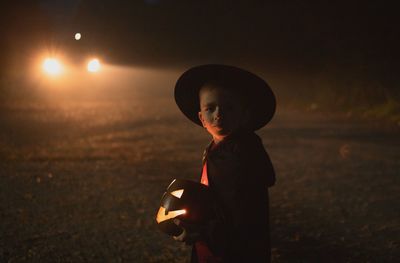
[52, 66]
[78, 36]
[93, 65]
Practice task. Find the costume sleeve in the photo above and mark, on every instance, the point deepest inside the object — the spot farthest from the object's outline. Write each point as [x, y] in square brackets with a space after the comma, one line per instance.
[242, 175]
[251, 213]
[256, 160]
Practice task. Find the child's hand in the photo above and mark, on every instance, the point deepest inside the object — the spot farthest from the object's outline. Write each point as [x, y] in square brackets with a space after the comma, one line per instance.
[190, 234]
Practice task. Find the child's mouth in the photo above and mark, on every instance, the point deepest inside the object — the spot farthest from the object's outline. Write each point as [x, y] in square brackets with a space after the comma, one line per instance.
[219, 126]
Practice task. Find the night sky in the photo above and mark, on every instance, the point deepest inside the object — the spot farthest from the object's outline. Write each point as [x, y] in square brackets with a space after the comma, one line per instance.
[272, 34]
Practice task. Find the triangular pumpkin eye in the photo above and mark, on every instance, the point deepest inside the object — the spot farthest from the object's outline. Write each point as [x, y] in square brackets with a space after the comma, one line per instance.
[177, 193]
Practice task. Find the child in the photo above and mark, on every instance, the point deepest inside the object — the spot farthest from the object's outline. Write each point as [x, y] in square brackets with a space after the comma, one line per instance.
[230, 103]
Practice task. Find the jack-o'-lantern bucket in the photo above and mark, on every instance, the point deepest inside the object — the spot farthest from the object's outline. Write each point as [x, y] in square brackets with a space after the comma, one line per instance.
[185, 200]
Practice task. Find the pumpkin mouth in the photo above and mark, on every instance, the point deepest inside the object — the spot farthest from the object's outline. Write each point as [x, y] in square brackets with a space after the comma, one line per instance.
[163, 215]
[188, 200]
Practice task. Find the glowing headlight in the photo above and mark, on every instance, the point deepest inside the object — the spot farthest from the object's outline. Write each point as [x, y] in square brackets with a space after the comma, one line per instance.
[93, 65]
[52, 66]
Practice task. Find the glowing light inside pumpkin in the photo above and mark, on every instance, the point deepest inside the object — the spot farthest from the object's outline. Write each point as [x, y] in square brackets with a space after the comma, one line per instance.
[162, 215]
[177, 193]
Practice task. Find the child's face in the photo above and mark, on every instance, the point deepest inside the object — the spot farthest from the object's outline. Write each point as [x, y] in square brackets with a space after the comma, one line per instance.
[221, 111]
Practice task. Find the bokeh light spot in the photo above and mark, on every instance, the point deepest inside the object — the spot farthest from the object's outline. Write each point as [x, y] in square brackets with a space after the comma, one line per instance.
[93, 65]
[52, 66]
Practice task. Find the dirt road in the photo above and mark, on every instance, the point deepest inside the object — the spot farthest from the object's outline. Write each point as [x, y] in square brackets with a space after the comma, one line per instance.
[81, 181]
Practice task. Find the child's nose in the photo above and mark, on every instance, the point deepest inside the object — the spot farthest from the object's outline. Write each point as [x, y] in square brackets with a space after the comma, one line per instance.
[218, 113]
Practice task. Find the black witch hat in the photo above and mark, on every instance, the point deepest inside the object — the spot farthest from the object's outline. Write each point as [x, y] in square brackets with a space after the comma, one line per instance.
[262, 103]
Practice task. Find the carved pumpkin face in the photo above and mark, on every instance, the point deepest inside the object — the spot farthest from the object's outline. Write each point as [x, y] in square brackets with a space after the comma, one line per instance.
[186, 200]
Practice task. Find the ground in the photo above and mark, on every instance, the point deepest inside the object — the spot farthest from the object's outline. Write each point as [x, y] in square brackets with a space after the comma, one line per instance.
[81, 181]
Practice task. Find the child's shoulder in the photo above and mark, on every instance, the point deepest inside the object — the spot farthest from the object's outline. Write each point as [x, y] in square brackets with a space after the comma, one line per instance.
[248, 138]
[242, 142]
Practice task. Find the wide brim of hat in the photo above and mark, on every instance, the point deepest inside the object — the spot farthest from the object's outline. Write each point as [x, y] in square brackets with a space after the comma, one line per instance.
[262, 103]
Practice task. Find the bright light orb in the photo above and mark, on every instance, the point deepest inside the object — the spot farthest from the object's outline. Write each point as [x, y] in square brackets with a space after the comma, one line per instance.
[52, 66]
[93, 65]
[78, 36]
